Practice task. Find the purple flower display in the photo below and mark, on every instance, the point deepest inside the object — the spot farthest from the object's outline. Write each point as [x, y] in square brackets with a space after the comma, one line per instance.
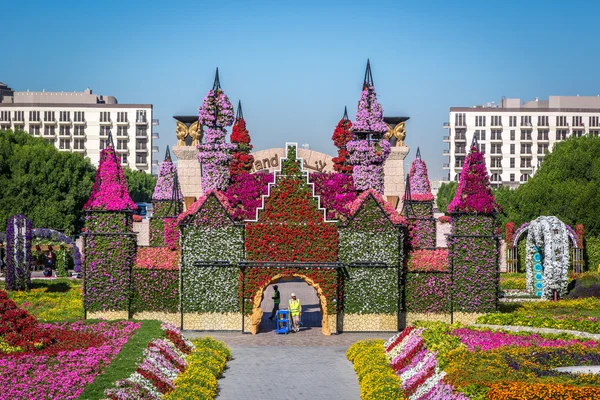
[474, 194]
[216, 109]
[367, 159]
[18, 253]
[164, 184]
[420, 189]
[61, 237]
[369, 116]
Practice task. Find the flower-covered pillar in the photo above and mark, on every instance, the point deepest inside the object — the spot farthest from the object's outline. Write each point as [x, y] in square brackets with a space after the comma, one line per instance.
[18, 253]
[109, 242]
[242, 159]
[167, 203]
[418, 206]
[368, 151]
[214, 155]
[341, 136]
[473, 245]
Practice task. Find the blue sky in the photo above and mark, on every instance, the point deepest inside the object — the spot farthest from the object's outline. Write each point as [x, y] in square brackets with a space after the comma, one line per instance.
[295, 65]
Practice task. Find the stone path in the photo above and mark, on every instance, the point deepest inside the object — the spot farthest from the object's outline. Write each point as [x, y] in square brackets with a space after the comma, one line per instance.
[514, 328]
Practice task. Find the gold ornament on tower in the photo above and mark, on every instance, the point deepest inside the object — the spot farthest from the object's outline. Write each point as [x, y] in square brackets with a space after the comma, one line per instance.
[182, 132]
[398, 132]
[195, 131]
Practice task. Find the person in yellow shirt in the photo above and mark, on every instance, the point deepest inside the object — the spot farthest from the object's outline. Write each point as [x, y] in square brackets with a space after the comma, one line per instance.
[295, 312]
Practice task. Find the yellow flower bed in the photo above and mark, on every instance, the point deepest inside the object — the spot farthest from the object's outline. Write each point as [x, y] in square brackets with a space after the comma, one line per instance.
[375, 376]
[205, 365]
[58, 300]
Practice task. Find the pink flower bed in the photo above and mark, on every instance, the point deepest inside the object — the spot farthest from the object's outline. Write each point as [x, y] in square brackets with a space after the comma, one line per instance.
[488, 340]
[64, 375]
[157, 258]
[428, 260]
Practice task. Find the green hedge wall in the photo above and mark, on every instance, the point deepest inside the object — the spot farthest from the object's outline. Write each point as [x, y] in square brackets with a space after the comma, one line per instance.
[210, 289]
[592, 253]
[371, 291]
[155, 290]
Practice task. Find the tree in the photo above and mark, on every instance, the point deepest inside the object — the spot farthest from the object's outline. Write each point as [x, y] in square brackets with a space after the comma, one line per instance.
[567, 185]
[140, 185]
[446, 193]
[48, 186]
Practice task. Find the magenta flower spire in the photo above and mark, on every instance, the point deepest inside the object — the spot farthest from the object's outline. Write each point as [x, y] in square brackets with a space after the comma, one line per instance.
[166, 180]
[110, 192]
[369, 115]
[420, 189]
[474, 194]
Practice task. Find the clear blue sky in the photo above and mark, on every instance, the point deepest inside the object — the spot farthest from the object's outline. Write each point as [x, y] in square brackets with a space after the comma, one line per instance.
[295, 65]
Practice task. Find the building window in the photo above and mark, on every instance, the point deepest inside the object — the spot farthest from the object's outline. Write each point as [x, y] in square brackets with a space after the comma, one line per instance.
[103, 143]
[140, 144]
[34, 116]
[525, 120]
[592, 133]
[542, 148]
[140, 158]
[525, 148]
[480, 120]
[525, 162]
[19, 128]
[104, 130]
[78, 144]
[577, 133]
[496, 162]
[65, 116]
[512, 177]
[5, 116]
[496, 148]
[65, 130]
[141, 131]
[124, 158]
[79, 130]
[542, 120]
[122, 116]
[525, 135]
[49, 130]
[4, 127]
[459, 162]
[34, 130]
[594, 121]
[512, 120]
[49, 116]
[460, 119]
[512, 162]
[460, 134]
[121, 131]
[121, 144]
[561, 120]
[19, 116]
[496, 134]
[577, 121]
[512, 149]
[496, 120]
[480, 135]
[561, 134]
[540, 161]
[64, 144]
[542, 134]
[460, 148]
[140, 116]
[524, 178]
[105, 116]
[457, 177]
[79, 116]
[496, 178]
[512, 134]
[482, 148]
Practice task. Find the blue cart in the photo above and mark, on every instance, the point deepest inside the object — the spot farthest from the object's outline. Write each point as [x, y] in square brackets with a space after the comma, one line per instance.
[282, 322]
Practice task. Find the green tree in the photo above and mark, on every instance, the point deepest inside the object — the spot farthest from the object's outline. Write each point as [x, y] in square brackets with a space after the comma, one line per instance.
[445, 195]
[49, 186]
[567, 185]
[140, 185]
[505, 198]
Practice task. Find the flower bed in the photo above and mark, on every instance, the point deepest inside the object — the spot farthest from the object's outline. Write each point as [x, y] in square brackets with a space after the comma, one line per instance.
[428, 260]
[55, 300]
[155, 290]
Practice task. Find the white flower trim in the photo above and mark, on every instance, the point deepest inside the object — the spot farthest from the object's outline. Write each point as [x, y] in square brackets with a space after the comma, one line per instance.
[428, 385]
[146, 384]
[406, 375]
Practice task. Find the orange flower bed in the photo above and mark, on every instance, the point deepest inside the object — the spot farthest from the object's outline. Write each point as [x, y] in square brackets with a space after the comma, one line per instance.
[534, 391]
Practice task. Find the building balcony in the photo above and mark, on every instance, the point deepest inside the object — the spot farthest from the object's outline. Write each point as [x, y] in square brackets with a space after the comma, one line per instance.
[64, 134]
[496, 126]
[496, 168]
[155, 163]
[155, 149]
[141, 150]
[79, 122]
[140, 163]
[65, 122]
[446, 166]
[18, 120]
[578, 127]
[141, 121]
[458, 168]
[496, 139]
[142, 134]
[460, 152]
[35, 122]
[106, 123]
[446, 125]
[460, 125]
[81, 151]
[526, 139]
[155, 122]
[543, 139]
[122, 122]
[123, 151]
[5, 120]
[155, 135]
[446, 153]
[52, 122]
[460, 138]
[122, 135]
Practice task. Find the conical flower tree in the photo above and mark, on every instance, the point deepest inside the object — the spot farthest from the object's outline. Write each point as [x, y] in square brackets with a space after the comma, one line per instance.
[473, 244]
[420, 188]
[367, 151]
[214, 154]
[109, 192]
[474, 193]
[167, 200]
[418, 202]
[341, 136]
[109, 241]
[242, 159]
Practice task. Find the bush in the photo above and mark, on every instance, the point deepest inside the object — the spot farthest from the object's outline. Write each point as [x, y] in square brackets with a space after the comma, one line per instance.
[513, 281]
[586, 285]
[592, 253]
[375, 376]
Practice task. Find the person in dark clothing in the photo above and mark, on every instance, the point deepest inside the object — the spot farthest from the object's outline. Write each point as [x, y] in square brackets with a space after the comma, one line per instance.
[276, 299]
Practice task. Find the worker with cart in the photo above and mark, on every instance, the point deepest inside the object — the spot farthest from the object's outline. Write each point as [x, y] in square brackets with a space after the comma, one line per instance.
[295, 311]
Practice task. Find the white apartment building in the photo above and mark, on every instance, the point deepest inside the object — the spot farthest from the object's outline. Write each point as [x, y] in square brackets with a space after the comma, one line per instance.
[79, 122]
[515, 136]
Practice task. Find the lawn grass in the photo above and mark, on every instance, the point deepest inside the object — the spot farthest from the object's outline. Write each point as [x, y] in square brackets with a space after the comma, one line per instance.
[126, 362]
[51, 300]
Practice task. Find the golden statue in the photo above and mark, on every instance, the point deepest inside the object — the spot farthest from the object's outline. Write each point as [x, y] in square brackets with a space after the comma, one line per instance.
[398, 132]
[194, 131]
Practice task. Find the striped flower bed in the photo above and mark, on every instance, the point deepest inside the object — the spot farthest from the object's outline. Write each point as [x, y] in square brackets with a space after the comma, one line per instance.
[163, 361]
[417, 367]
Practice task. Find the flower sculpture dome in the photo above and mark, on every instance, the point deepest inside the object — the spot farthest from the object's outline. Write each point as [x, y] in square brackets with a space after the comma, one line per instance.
[109, 192]
[474, 194]
[420, 189]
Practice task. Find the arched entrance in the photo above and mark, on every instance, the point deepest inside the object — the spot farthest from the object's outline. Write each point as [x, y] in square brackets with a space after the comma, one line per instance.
[257, 312]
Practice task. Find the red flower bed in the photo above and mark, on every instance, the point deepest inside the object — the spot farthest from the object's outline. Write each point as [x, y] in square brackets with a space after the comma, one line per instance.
[18, 328]
[178, 341]
[428, 260]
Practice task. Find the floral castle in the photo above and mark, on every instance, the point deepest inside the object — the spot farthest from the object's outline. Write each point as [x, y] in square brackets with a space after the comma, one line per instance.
[210, 259]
